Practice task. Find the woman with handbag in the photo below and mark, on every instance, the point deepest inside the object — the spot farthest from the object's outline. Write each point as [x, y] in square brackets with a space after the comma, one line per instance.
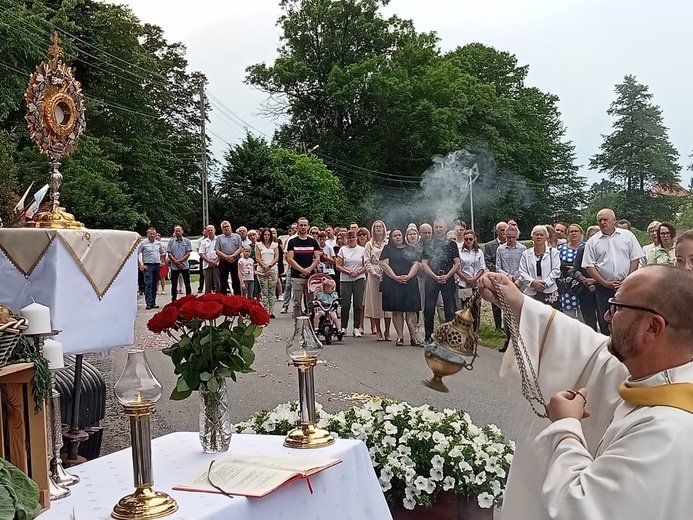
[570, 304]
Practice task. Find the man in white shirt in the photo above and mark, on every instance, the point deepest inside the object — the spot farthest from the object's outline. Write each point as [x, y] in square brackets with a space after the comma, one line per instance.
[610, 255]
[629, 457]
[330, 239]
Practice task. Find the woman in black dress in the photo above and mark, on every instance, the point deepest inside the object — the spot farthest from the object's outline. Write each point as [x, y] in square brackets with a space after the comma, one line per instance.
[399, 286]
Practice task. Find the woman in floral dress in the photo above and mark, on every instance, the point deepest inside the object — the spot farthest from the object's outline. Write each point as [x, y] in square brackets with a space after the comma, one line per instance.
[570, 304]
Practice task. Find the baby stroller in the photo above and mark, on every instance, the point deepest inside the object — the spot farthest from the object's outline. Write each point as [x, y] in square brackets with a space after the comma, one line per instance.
[325, 326]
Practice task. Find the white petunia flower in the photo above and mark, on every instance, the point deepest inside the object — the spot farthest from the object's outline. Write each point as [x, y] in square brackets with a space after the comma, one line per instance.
[437, 462]
[485, 500]
[495, 488]
[480, 478]
[408, 503]
[448, 483]
[436, 474]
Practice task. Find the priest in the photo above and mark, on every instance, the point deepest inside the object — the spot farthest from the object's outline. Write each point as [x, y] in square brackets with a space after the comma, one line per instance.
[617, 443]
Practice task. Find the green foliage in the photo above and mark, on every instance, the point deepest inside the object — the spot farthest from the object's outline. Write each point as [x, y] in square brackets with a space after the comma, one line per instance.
[263, 185]
[19, 495]
[8, 180]
[41, 380]
[377, 96]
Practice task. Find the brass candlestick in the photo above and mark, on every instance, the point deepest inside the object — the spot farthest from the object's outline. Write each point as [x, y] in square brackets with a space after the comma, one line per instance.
[304, 349]
[138, 390]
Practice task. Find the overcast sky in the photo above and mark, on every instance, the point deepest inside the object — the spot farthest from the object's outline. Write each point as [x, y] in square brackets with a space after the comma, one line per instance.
[578, 50]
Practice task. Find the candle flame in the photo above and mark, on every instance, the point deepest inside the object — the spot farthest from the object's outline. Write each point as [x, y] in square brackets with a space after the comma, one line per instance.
[139, 397]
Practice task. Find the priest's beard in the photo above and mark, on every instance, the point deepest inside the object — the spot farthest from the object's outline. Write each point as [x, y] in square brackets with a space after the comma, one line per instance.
[623, 345]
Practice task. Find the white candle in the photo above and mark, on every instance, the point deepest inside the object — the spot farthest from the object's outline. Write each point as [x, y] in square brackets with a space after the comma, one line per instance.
[53, 352]
[39, 318]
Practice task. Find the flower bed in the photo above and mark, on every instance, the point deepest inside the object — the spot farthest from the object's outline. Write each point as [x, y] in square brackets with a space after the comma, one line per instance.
[416, 451]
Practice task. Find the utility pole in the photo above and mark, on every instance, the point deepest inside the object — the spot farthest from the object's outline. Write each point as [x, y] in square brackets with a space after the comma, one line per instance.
[203, 158]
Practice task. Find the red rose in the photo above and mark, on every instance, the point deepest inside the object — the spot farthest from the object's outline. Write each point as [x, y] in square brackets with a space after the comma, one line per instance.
[165, 319]
[185, 299]
[212, 297]
[209, 310]
[233, 305]
[188, 310]
[258, 314]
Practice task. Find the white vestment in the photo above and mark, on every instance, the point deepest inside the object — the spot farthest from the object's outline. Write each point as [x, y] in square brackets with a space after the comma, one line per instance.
[623, 461]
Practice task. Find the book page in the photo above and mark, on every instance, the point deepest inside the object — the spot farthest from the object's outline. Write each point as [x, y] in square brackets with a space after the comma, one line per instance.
[295, 464]
[254, 476]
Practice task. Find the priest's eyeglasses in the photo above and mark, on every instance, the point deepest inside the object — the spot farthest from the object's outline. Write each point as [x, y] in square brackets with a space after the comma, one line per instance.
[614, 306]
[209, 479]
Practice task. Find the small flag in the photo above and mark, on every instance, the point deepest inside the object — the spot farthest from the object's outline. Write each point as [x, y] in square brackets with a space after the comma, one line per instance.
[20, 205]
[31, 210]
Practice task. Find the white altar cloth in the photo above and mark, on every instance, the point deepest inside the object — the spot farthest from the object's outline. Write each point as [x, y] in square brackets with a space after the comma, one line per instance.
[88, 278]
[347, 491]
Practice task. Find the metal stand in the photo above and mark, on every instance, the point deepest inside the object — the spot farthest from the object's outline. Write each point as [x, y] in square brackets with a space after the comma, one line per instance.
[74, 435]
[59, 474]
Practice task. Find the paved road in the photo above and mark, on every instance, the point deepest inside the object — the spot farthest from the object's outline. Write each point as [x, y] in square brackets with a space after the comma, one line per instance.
[357, 365]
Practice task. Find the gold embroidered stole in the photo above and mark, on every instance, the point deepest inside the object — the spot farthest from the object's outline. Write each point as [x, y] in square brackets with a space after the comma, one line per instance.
[675, 395]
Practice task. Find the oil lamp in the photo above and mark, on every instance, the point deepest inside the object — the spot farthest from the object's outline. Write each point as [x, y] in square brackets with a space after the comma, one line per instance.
[137, 390]
[304, 349]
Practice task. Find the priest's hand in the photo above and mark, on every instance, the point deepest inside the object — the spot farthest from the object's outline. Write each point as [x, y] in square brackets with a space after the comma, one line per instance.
[568, 403]
[510, 290]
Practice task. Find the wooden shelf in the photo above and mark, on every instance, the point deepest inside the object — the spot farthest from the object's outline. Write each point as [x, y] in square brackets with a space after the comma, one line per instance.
[27, 435]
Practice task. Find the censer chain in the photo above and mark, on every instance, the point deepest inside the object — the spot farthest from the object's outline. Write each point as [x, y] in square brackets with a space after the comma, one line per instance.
[530, 387]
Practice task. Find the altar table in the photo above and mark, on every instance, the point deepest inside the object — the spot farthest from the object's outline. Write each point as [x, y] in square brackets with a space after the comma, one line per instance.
[347, 491]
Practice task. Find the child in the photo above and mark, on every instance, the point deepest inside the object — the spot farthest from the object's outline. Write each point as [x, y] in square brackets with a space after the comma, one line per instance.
[246, 272]
[326, 296]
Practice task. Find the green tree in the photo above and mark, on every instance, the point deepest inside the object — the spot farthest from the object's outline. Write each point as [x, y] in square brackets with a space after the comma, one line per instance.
[638, 154]
[268, 186]
[380, 100]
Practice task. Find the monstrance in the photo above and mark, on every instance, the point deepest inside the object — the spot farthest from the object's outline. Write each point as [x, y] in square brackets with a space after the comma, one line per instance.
[55, 116]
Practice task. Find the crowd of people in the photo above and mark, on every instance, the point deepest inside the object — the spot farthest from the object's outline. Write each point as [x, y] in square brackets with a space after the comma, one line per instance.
[400, 278]
[637, 373]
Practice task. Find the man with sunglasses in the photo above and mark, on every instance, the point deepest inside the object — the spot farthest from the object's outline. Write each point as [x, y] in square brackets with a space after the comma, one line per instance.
[618, 444]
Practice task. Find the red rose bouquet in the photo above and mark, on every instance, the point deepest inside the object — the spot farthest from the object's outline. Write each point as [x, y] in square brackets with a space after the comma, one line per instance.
[214, 337]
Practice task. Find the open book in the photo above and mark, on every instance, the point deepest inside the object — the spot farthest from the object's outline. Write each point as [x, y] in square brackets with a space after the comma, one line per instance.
[254, 476]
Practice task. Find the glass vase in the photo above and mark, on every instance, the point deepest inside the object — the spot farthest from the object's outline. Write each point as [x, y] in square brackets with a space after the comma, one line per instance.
[215, 421]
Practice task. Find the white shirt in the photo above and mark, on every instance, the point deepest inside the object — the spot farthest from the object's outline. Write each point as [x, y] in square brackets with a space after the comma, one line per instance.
[550, 270]
[612, 254]
[326, 267]
[353, 260]
[331, 242]
[471, 262]
[208, 248]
